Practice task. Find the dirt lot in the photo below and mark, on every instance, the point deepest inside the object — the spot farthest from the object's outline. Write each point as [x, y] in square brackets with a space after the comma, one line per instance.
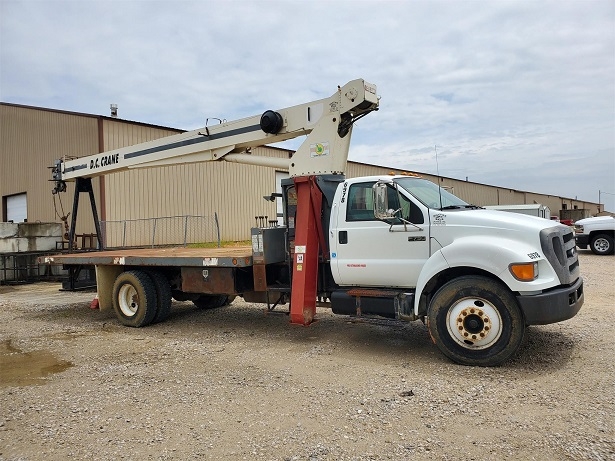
[234, 383]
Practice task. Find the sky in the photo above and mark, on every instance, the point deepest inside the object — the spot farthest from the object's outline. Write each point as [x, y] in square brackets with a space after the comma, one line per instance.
[518, 94]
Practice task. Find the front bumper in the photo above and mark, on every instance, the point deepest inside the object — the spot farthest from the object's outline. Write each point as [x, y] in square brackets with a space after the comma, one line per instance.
[554, 305]
[582, 240]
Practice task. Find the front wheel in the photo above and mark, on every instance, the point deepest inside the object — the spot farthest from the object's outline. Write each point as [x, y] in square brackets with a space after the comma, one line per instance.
[602, 244]
[476, 321]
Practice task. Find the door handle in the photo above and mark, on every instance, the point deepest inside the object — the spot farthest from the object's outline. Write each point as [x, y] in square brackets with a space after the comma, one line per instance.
[343, 237]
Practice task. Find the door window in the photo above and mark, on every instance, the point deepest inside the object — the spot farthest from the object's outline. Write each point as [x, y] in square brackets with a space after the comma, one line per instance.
[361, 204]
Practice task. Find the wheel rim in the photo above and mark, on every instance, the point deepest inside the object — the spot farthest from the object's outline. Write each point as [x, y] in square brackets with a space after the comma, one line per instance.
[601, 245]
[474, 323]
[128, 300]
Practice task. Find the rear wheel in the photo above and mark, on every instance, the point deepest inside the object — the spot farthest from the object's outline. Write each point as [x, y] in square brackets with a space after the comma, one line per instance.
[212, 301]
[602, 244]
[134, 298]
[475, 321]
[163, 294]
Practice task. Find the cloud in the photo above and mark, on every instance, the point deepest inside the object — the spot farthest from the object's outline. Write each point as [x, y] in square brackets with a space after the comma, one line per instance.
[505, 89]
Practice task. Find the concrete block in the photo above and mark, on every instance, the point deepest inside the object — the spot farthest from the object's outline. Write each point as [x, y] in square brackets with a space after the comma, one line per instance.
[42, 243]
[40, 229]
[8, 230]
[13, 245]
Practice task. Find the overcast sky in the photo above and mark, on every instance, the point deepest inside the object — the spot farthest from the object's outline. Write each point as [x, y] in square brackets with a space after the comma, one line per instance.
[519, 94]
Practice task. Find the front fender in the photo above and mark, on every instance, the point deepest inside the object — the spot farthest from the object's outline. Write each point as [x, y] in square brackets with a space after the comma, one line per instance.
[492, 255]
[434, 265]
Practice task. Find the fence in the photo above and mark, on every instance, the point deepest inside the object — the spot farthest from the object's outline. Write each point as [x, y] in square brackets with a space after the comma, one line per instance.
[164, 231]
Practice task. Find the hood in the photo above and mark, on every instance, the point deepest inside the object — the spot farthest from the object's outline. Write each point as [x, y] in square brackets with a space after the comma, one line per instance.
[491, 219]
[597, 219]
[495, 238]
[447, 226]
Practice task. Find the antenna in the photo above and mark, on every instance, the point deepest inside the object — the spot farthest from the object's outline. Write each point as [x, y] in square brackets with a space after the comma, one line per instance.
[438, 175]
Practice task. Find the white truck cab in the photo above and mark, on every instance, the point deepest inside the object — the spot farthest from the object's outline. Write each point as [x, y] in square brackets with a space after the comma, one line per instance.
[477, 276]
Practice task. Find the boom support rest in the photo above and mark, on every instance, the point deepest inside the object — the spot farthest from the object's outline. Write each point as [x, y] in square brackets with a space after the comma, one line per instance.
[84, 185]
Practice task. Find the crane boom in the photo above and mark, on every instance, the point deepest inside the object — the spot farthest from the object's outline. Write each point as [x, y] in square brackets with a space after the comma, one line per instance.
[327, 122]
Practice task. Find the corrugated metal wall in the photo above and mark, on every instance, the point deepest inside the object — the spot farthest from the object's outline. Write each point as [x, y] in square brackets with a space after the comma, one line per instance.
[480, 194]
[30, 140]
[235, 192]
[554, 203]
[354, 170]
[119, 133]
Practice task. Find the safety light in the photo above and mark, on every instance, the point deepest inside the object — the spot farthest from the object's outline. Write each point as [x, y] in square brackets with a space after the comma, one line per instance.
[525, 272]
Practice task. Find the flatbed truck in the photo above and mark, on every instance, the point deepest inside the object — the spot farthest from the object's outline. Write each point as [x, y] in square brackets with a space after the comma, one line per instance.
[397, 247]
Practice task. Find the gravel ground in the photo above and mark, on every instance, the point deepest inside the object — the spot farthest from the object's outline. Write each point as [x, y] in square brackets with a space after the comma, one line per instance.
[234, 383]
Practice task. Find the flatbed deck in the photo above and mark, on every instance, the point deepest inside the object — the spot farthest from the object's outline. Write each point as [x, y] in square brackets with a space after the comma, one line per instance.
[172, 256]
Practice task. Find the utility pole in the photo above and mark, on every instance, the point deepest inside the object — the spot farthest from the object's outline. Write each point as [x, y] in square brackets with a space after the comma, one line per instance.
[600, 192]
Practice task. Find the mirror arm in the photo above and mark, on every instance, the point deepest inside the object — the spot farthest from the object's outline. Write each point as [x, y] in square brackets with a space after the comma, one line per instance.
[405, 225]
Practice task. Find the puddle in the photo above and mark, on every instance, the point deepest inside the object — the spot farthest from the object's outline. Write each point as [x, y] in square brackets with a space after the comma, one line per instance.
[19, 368]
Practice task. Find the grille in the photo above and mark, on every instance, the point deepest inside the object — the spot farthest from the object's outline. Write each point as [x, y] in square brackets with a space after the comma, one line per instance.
[559, 248]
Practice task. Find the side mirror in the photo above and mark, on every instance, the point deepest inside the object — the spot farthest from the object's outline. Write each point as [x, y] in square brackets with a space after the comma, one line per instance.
[381, 199]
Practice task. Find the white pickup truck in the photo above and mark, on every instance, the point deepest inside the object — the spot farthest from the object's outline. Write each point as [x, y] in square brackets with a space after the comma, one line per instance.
[596, 232]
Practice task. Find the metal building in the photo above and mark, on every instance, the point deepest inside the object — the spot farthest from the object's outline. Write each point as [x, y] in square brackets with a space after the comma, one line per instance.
[31, 138]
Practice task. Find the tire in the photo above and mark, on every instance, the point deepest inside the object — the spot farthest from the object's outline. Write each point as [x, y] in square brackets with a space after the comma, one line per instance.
[212, 301]
[134, 298]
[602, 244]
[181, 296]
[475, 321]
[163, 295]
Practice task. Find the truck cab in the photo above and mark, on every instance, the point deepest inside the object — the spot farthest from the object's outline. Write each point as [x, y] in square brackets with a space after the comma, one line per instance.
[427, 223]
[430, 253]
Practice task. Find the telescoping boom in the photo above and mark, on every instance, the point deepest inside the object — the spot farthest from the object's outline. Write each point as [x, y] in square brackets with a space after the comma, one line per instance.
[327, 122]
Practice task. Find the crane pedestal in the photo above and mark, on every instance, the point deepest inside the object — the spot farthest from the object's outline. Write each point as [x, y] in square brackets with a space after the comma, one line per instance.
[308, 239]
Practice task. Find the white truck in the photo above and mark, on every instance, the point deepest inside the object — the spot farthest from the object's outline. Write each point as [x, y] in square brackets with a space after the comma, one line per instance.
[597, 232]
[397, 247]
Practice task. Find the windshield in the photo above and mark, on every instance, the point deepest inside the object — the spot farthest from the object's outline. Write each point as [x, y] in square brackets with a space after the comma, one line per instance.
[429, 194]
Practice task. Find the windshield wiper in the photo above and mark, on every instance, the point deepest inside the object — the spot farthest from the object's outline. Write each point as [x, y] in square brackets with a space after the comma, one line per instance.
[450, 207]
[474, 207]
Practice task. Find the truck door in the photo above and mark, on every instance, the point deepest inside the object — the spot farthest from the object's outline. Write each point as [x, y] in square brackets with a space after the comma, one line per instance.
[369, 252]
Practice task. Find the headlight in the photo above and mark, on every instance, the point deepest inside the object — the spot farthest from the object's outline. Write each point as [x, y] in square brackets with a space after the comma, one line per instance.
[524, 272]
[578, 229]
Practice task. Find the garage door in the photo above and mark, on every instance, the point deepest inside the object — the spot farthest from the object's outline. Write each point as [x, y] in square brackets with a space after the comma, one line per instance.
[16, 208]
